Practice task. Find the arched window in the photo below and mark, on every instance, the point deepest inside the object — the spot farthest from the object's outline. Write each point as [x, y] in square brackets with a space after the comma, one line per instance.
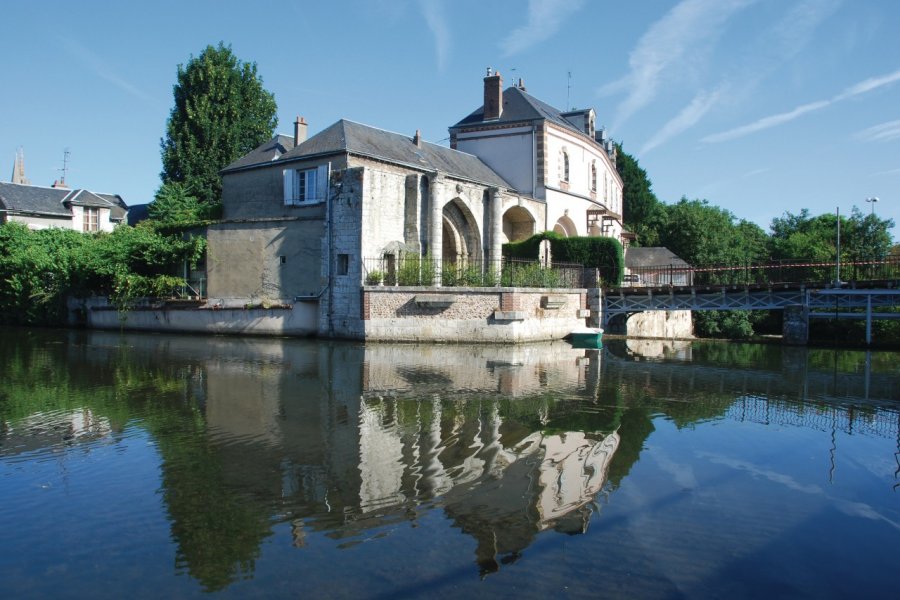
[564, 165]
[594, 176]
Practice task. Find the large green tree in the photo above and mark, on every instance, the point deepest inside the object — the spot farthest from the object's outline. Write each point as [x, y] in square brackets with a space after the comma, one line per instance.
[643, 213]
[221, 112]
[803, 237]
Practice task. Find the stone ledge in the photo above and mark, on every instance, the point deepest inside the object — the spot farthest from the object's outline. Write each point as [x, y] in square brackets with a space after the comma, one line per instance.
[435, 300]
[509, 315]
[553, 302]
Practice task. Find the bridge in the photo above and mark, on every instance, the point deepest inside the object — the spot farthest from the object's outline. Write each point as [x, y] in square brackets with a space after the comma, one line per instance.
[804, 290]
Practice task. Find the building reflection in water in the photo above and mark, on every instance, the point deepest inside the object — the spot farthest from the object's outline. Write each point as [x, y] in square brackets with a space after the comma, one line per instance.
[366, 435]
[344, 439]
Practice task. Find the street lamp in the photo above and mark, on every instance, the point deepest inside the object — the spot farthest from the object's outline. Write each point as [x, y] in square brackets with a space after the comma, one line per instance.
[873, 200]
[837, 265]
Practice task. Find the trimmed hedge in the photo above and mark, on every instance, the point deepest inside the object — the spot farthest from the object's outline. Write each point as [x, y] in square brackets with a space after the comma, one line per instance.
[601, 253]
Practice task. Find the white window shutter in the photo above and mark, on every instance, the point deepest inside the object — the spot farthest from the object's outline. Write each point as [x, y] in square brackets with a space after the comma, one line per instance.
[322, 183]
[288, 186]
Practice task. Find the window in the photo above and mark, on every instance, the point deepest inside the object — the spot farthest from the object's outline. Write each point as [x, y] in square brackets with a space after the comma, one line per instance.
[303, 186]
[343, 264]
[564, 166]
[91, 219]
[594, 176]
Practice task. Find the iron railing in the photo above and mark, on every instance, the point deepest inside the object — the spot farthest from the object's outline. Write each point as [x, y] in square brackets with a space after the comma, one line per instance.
[779, 272]
[412, 270]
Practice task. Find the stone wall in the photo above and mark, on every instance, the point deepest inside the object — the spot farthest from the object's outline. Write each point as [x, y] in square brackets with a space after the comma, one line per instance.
[271, 261]
[669, 324]
[299, 320]
[492, 315]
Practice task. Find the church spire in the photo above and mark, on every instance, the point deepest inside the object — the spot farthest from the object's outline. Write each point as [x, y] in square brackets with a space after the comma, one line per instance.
[18, 175]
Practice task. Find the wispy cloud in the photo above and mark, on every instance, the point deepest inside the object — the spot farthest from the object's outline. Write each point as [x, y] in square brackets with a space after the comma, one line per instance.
[670, 48]
[545, 17]
[101, 70]
[433, 11]
[888, 172]
[880, 133]
[687, 118]
[755, 172]
[862, 87]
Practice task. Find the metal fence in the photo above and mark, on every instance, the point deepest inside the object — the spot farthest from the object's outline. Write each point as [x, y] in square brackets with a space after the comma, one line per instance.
[780, 272]
[412, 270]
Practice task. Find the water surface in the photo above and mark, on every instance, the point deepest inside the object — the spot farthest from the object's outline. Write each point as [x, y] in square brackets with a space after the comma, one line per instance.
[152, 465]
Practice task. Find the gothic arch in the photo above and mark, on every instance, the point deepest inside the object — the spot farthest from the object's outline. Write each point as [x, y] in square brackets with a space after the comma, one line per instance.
[462, 240]
[565, 226]
[518, 224]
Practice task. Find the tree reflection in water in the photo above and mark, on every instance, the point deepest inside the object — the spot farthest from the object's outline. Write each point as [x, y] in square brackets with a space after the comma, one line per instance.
[344, 439]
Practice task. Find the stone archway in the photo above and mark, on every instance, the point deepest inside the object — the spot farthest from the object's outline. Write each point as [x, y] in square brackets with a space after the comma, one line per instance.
[518, 224]
[565, 226]
[461, 238]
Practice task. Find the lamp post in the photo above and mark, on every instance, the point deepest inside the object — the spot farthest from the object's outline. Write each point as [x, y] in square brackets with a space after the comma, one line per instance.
[837, 267]
[873, 200]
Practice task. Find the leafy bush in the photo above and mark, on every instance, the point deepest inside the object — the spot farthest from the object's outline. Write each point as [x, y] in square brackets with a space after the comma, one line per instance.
[415, 270]
[39, 269]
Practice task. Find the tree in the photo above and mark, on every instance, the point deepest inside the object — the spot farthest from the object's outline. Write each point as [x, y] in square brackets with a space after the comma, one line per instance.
[175, 204]
[221, 112]
[642, 211]
[705, 236]
[801, 237]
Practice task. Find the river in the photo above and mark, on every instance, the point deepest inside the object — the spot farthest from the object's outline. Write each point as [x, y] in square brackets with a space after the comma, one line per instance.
[140, 465]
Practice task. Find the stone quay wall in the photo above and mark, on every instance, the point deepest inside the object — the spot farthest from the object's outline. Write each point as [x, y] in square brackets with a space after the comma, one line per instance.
[484, 315]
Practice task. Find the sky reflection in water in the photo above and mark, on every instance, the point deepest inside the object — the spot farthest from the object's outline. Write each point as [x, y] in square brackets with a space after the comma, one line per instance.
[151, 465]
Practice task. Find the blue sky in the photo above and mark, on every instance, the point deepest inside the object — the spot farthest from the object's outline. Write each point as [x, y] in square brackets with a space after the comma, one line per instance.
[759, 106]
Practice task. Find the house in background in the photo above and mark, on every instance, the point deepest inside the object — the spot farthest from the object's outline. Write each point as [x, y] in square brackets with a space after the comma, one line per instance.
[42, 207]
[57, 206]
[655, 266]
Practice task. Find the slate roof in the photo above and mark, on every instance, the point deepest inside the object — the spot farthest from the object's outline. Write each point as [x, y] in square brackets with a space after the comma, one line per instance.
[651, 257]
[265, 152]
[16, 197]
[349, 137]
[519, 105]
[35, 199]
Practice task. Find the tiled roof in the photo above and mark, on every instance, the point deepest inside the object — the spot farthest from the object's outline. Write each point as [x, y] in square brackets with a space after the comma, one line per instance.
[35, 199]
[519, 105]
[355, 138]
[16, 197]
[266, 152]
[651, 257]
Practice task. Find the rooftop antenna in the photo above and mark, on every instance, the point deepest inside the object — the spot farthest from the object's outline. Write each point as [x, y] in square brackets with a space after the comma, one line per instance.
[569, 91]
[65, 167]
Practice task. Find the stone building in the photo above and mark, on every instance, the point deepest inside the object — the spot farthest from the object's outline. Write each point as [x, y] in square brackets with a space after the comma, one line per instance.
[305, 219]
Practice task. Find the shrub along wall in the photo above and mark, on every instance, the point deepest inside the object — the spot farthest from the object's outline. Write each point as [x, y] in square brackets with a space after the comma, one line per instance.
[603, 253]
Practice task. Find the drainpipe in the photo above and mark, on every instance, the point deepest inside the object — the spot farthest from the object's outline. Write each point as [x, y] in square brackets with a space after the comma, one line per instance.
[329, 255]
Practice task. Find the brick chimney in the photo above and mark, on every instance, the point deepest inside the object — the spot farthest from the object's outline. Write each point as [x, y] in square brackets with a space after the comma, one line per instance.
[493, 95]
[417, 140]
[300, 127]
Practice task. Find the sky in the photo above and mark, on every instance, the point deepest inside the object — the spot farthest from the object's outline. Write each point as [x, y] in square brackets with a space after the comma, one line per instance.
[759, 106]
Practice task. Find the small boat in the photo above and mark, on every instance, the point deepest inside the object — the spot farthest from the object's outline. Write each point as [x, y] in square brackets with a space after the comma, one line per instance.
[586, 337]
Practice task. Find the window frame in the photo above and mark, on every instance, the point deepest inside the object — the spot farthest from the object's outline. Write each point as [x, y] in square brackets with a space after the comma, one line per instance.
[90, 219]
